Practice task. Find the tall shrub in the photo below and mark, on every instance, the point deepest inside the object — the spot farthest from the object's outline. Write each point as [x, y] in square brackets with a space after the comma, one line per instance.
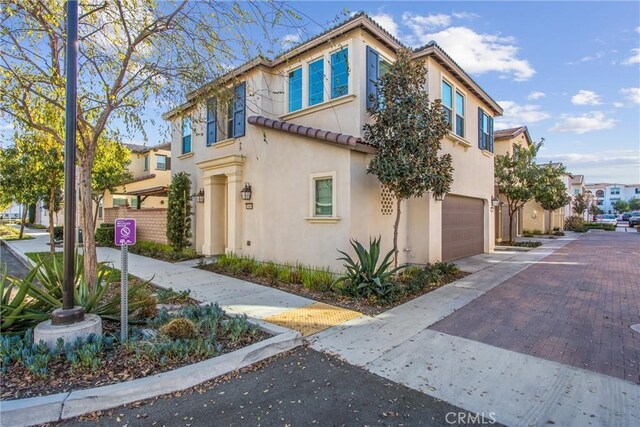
[179, 212]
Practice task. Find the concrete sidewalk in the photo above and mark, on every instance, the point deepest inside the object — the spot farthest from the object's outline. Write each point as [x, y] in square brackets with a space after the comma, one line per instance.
[233, 295]
[520, 390]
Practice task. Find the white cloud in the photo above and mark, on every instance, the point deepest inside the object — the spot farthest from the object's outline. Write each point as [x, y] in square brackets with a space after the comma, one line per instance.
[519, 115]
[465, 15]
[588, 122]
[585, 97]
[387, 22]
[420, 23]
[587, 58]
[479, 53]
[536, 95]
[632, 94]
[604, 166]
[637, 29]
[618, 104]
[633, 59]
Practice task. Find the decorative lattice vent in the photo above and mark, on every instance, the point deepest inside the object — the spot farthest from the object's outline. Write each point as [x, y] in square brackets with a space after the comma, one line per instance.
[386, 201]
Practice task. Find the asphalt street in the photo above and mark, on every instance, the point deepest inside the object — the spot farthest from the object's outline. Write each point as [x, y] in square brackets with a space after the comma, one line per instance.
[304, 388]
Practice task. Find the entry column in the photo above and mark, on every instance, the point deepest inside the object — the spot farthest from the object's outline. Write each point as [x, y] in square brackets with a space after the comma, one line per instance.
[234, 220]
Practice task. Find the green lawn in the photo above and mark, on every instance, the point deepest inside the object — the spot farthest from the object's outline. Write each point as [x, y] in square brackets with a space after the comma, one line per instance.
[8, 232]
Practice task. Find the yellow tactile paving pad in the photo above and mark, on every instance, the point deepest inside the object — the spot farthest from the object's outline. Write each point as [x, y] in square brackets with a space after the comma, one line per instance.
[313, 318]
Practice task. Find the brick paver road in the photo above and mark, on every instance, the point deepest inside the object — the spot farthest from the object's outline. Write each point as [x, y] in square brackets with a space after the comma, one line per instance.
[573, 307]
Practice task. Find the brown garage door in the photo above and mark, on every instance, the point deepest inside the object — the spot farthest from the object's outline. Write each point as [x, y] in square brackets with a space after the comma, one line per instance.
[462, 227]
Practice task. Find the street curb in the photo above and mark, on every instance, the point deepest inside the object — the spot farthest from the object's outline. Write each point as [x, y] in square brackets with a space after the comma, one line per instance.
[57, 407]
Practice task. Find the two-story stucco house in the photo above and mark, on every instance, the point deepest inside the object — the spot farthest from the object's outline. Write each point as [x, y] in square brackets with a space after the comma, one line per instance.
[150, 168]
[274, 152]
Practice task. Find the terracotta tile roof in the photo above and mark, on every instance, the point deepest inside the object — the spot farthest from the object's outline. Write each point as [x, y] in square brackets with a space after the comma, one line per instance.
[509, 133]
[577, 180]
[323, 135]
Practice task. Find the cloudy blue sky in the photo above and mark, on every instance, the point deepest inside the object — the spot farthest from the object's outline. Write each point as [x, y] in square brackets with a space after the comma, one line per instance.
[570, 71]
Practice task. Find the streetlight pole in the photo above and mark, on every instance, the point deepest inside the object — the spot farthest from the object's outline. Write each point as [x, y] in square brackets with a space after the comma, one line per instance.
[69, 313]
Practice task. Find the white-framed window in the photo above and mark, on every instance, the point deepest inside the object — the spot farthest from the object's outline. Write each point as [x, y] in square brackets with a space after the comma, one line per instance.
[100, 210]
[161, 162]
[576, 191]
[447, 101]
[460, 103]
[146, 163]
[322, 191]
[615, 191]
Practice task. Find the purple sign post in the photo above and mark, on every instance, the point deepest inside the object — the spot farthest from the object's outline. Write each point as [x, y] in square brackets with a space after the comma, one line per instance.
[125, 235]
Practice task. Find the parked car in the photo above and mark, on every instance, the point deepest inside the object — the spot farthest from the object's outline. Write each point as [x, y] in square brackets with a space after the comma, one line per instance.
[634, 220]
[607, 219]
[626, 216]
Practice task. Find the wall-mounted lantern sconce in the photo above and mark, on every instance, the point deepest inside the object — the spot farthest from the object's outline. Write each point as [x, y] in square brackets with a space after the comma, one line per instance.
[200, 196]
[439, 197]
[495, 201]
[245, 193]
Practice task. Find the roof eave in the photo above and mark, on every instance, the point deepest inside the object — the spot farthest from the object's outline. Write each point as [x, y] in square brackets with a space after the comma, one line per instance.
[444, 60]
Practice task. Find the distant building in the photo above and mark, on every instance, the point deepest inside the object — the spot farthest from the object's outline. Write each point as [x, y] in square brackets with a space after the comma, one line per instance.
[607, 194]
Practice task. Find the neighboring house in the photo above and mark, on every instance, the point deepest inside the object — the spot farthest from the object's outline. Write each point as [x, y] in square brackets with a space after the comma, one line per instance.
[144, 197]
[281, 170]
[577, 188]
[607, 194]
[505, 140]
[151, 171]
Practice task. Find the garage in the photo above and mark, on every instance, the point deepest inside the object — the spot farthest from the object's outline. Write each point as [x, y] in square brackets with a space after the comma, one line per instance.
[462, 227]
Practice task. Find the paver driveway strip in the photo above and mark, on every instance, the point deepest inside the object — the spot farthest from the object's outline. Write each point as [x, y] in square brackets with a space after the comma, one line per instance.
[575, 307]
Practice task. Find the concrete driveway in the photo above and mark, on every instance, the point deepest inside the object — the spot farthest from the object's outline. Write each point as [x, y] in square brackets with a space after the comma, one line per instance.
[575, 307]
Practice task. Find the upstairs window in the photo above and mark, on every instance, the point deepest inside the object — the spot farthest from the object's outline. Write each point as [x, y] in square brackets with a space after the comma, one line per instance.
[146, 163]
[485, 131]
[211, 121]
[161, 162]
[576, 191]
[230, 119]
[615, 191]
[459, 114]
[447, 101]
[186, 134]
[339, 73]
[637, 190]
[376, 68]
[316, 82]
[295, 90]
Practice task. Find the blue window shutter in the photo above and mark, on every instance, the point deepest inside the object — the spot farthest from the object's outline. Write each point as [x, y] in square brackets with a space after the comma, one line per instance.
[490, 134]
[373, 62]
[480, 133]
[239, 107]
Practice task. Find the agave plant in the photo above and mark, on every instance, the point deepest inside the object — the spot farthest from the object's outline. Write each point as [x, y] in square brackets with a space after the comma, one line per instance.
[29, 301]
[365, 277]
[17, 310]
[92, 297]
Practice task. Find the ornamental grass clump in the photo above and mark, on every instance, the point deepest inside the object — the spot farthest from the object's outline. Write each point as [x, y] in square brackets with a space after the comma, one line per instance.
[180, 328]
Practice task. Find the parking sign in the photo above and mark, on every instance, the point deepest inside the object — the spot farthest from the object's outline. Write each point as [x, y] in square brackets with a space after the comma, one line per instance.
[125, 231]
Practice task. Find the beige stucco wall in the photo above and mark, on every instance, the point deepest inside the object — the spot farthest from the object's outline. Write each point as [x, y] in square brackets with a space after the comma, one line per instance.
[278, 166]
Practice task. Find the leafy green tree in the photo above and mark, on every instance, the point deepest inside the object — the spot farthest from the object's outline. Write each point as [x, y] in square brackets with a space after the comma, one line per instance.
[550, 190]
[179, 212]
[130, 53]
[581, 203]
[634, 204]
[621, 206]
[516, 176]
[110, 170]
[594, 209]
[18, 174]
[407, 129]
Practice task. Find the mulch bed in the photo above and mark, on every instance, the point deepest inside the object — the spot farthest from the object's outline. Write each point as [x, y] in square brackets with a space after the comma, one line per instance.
[370, 308]
[118, 364]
